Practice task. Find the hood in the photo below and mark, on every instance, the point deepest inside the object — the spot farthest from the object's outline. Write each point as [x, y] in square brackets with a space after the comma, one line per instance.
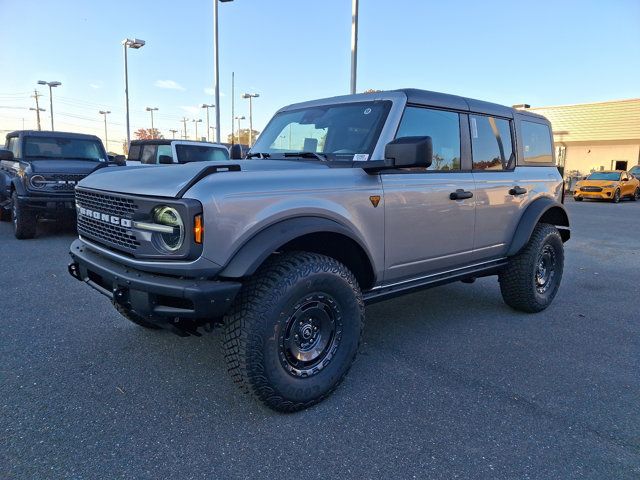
[83, 167]
[169, 180]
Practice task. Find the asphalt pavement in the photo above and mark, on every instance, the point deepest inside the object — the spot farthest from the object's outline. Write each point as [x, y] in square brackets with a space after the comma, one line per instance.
[450, 382]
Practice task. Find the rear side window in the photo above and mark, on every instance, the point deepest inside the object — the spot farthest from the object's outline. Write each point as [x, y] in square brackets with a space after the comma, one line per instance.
[444, 130]
[536, 142]
[134, 152]
[198, 153]
[491, 143]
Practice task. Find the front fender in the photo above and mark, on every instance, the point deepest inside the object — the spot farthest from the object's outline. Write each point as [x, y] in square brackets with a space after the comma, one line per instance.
[546, 210]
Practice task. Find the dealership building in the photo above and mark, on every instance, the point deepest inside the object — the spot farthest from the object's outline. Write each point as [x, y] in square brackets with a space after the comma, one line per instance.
[595, 136]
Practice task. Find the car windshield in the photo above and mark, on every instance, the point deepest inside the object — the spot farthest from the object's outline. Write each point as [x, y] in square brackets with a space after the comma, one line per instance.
[329, 132]
[63, 148]
[200, 153]
[614, 176]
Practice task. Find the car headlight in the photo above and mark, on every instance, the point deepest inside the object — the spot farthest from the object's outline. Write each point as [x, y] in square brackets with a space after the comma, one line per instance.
[37, 181]
[169, 216]
[609, 186]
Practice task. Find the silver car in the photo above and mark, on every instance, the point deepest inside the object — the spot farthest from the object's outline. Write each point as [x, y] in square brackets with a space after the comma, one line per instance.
[341, 202]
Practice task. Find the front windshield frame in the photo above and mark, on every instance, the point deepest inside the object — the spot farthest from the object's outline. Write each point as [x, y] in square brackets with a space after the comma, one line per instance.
[288, 154]
[605, 176]
[30, 140]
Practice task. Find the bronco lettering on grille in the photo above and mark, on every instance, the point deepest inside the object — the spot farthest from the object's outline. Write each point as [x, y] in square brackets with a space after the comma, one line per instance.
[104, 217]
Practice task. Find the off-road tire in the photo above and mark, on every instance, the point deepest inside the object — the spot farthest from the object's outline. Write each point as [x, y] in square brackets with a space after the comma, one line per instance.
[616, 196]
[261, 317]
[132, 317]
[24, 220]
[636, 195]
[518, 280]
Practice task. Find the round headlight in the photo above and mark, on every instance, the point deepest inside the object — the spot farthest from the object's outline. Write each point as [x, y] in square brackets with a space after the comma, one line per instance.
[169, 217]
[37, 181]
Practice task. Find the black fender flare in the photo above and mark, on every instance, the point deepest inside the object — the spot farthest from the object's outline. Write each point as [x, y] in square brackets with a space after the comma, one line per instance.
[18, 186]
[246, 260]
[553, 212]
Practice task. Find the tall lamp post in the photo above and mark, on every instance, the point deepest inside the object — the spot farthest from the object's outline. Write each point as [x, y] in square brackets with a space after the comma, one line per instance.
[238, 119]
[216, 66]
[134, 43]
[51, 85]
[250, 96]
[196, 122]
[106, 140]
[173, 132]
[354, 44]
[208, 106]
[151, 110]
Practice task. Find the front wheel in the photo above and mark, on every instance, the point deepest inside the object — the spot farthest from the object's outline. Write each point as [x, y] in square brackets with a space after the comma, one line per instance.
[24, 220]
[294, 330]
[531, 279]
[616, 197]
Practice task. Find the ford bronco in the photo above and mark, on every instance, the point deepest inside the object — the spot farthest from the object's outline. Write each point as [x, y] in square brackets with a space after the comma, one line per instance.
[341, 202]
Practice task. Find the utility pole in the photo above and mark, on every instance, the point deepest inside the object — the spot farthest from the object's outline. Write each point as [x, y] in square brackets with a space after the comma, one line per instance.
[136, 44]
[238, 119]
[36, 95]
[208, 106]
[250, 96]
[173, 133]
[184, 122]
[233, 103]
[354, 44]
[106, 140]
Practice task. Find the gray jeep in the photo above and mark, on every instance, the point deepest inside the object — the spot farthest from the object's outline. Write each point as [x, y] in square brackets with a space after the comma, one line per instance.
[340, 203]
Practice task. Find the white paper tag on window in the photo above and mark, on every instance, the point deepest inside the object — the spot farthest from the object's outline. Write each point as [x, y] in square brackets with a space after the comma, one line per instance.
[474, 128]
[361, 157]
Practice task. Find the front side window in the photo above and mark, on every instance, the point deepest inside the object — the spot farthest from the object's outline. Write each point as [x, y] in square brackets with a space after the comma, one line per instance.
[63, 148]
[12, 146]
[491, 144]
[444, 130]
[536, 141]
[337, 132]
[200, 153]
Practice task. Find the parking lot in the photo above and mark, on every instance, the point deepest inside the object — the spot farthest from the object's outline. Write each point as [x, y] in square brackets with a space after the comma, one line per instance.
[450, 382]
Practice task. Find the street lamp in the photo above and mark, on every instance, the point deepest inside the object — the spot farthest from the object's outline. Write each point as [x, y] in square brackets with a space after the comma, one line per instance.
[51, 86]
[106, 140]
[208, 106]
[216, 66]
[250, 96]
[173, 132]
[37, 110]
[134, 43]
[151, 110]
[196, 123]
[354, 44]
[238, 119]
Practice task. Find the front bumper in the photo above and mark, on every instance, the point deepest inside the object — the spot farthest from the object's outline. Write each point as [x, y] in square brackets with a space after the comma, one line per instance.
[160, 299]
[606, 194]
[48, 202]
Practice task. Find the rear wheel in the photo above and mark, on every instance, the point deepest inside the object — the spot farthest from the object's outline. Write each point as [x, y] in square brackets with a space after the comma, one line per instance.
[531, 280]
[24, 220]
[616, 196]
[294, 330]
[636, 195]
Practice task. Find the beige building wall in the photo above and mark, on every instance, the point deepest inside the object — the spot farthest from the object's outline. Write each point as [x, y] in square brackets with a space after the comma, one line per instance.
[588, 158]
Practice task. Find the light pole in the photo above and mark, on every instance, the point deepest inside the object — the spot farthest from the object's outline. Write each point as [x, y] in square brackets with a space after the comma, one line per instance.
[250, 96]
[238, 119]
[173, 132]
[208, 106]
[106, 141]
[151, 110]
[38, 110]
[354, 44]
[134, 43]
[51, 85]
[216, 66]
[196, 123]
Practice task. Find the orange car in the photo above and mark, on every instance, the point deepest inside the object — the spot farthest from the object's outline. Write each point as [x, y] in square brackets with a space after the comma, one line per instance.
[611, 185]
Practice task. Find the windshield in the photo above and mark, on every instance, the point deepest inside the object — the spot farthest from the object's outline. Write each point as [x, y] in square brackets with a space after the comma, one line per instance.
[614, 176]
[337, 132]
[200, 153]
[63, 148]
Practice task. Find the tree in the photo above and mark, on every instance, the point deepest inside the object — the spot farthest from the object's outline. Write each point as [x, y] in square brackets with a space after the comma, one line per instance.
[244, 137]
[147, 133]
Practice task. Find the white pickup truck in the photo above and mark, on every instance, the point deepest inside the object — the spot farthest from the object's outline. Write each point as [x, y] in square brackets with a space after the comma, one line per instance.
[168, 152]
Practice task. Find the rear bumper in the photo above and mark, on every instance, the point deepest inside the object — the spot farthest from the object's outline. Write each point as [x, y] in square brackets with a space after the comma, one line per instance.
[157, 298]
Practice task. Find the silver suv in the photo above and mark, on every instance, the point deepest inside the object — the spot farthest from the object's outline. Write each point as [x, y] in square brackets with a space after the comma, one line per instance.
[341, 202]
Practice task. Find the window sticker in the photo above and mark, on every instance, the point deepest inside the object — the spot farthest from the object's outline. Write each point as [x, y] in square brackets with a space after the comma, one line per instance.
[474, 128]
[367, 111]
[361, 157]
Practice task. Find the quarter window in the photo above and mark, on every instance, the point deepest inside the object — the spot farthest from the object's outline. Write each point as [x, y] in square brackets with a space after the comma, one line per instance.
[536, 142]
[491, 143]
[444, 130]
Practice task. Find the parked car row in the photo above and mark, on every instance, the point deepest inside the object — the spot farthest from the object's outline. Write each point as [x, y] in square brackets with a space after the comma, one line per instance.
[613, 185]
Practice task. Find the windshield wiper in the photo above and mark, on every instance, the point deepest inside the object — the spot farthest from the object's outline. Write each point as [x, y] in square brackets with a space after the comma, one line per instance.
[258, 154]
[318, 156]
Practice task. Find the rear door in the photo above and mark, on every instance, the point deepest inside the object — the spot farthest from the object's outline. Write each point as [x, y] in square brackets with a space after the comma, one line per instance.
[425, 230]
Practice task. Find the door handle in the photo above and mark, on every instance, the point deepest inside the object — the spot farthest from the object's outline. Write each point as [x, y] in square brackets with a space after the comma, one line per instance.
[460, 194]
[517, 191]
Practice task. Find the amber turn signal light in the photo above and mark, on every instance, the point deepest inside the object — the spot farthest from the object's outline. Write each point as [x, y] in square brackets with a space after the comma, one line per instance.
[198, 229]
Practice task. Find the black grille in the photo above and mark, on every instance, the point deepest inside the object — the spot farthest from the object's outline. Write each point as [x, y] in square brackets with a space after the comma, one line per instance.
[113, 234]
[65, 177]
[119, 206]
[590, 189]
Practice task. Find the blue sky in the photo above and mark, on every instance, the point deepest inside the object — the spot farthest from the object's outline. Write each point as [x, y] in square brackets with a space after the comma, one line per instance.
[539, 52]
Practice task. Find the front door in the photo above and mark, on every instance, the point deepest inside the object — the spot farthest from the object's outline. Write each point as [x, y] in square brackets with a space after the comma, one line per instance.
[426, 230]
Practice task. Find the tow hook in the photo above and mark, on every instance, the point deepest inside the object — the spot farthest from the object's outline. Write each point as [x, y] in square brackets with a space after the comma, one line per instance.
[74, 270]
[120, 296]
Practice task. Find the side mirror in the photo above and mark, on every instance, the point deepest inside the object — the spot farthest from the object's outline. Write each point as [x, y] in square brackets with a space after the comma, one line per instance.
[235, 152]
[165, 159]
[407, 152]
[6, 155]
